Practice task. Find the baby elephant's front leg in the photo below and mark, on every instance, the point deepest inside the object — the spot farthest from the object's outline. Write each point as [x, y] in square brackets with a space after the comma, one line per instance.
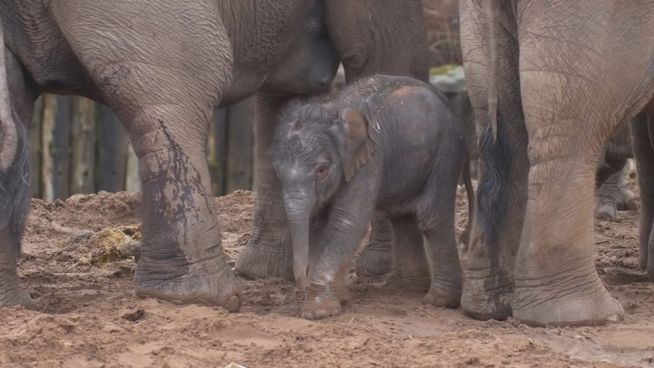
[345, 230]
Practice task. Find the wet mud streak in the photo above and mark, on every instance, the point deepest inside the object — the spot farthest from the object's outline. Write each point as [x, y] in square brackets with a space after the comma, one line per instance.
[181, 210]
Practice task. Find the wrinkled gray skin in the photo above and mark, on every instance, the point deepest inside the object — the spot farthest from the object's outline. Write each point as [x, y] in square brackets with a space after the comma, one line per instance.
[561, 88]
[387, 145]
[370, 36]
[612, 194]
[162, 66]
[642, 135]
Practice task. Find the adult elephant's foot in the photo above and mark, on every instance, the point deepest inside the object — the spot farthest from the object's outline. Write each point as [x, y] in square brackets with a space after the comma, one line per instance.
[398, 282]
[268, 254]
[486, 296]
[18, 298]
[11, 293]
[206, 282]
[443, 297]
[579, 302]
[320, 302]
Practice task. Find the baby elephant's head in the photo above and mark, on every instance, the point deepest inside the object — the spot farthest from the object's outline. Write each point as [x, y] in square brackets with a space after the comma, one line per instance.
[318, 148]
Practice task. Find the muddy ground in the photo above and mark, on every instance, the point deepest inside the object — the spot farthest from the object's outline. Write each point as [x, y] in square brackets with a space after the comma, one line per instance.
[90, 317]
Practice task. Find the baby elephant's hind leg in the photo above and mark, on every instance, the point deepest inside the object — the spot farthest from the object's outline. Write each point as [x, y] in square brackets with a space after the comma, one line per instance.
[436, 220]
[410, 270]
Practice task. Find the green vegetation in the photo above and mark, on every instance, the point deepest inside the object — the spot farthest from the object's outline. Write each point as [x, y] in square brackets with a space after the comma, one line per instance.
[442, 69]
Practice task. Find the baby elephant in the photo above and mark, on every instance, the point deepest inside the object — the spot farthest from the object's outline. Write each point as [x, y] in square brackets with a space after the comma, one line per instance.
[388, 144]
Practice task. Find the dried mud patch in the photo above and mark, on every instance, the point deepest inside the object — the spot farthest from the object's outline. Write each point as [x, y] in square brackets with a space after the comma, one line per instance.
[89, 316]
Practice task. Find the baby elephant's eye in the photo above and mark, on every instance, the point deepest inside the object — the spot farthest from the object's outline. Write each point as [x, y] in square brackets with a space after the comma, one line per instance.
[322, 171]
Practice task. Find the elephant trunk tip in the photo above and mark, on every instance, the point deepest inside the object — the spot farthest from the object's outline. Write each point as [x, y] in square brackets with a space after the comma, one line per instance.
[300, 272]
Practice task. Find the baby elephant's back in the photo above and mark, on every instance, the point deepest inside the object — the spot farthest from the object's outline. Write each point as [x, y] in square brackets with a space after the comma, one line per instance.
[416, 123]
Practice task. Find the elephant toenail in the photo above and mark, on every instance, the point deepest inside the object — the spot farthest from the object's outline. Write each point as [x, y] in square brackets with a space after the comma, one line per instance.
[232, 304]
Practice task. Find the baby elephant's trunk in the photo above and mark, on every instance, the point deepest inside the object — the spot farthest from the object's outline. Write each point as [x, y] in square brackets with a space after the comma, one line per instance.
[298, 212]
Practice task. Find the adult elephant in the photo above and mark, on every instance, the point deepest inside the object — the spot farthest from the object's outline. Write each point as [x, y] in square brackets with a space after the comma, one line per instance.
[162, 66]
[370, 36]
[551, 80]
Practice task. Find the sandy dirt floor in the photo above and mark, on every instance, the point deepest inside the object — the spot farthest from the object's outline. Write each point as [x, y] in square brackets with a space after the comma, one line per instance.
[78, 261]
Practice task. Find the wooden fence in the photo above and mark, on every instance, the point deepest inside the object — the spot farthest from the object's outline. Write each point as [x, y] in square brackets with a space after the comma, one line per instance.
[79, 146]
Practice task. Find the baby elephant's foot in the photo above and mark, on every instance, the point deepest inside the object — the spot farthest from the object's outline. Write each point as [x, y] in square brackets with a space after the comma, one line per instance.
[442, 298]
[397, 282]
[320, 303]
[375, 260]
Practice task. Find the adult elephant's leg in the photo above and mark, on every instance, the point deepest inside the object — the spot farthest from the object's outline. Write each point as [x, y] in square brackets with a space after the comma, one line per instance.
[555, 277]
[164, 92]
[573, 98]
[376, 258]
[501, 194]
[644, 155]
[16, 104]
[269, 252]
[181, 257]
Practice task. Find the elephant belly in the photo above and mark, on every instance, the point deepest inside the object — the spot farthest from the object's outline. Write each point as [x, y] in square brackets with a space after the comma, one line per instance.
[399, 197]
[32, 35]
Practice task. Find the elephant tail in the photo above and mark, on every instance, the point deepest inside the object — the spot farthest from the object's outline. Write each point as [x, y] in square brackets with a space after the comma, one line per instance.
[14, 159]
[492, 10]
[470, 193]
[494, 141]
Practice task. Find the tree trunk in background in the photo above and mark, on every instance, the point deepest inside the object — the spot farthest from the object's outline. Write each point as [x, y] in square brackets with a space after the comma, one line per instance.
[239, 146]
[49, 110]
[36, 148]
[113, 145]
[82, 163]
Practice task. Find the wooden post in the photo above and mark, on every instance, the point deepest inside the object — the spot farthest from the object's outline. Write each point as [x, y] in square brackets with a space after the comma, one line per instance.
[239, 145]
[56, 152]
[60, 149]
[113, 145]
[82, 144]
[49, 108]
[35, 147]
[132, 180]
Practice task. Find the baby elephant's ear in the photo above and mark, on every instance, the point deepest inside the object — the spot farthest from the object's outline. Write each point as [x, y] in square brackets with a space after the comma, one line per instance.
[360, 143]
